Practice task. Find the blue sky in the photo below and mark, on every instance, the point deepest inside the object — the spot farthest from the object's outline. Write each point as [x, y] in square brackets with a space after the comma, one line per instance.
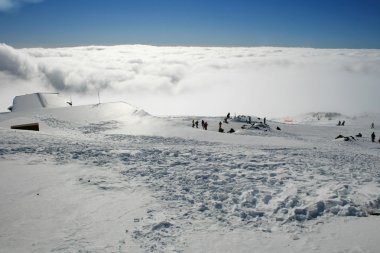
[299, 23]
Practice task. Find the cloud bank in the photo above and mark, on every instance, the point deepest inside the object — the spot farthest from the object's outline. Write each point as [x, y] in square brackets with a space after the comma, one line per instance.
[6, 5]
[199, 80]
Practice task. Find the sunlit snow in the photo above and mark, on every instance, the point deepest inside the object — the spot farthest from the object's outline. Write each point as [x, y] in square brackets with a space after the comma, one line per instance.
[110, 177]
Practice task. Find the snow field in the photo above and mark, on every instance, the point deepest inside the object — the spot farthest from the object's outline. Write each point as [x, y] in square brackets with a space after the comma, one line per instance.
[190, 185]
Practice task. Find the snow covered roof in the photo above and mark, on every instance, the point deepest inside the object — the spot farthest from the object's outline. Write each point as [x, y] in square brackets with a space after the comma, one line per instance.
[37, 101]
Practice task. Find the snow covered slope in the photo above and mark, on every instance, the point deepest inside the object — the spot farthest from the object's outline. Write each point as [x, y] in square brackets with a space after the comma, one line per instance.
[111, 177]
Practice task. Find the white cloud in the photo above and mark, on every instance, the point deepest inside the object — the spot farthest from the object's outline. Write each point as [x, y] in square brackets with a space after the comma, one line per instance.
[200, 80]
[6, 5]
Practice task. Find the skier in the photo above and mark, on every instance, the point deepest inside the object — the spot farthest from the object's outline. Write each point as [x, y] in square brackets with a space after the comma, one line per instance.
[193, 124]
[228, 115]
[249, 120]
[196, 123]
[265, 120]
[372, 125]
[373, 136]
[205, 125]
[339, 123]
[343, 122]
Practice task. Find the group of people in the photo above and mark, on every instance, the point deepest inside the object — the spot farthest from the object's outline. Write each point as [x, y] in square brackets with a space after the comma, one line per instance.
[204, 124]
[221, 130]
[195, 124]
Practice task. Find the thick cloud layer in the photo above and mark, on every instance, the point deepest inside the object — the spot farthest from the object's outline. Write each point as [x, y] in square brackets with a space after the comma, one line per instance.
[6, 5]
[199, 80]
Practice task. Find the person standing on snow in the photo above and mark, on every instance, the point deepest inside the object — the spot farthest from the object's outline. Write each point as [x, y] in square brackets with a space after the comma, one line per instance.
[205, 125]
[220, 130]
[193, 124]
[372, 125]
[196, 123]
[373, 136]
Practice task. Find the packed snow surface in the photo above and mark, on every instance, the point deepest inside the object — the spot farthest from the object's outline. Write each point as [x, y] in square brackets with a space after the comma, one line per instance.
[112, 178]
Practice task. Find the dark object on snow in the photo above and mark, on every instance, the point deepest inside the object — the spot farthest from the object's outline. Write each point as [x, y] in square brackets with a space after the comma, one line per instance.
[374, 212]
[265, 120]
[161, 225]
[373, 136]
[193, 124]
[221, 130]
[359, 135]
[339, 123]
[220, 124]
[196, 124]
[279, 129]
[205, 125]
[249, 120]
[231, 131]
[343, 122]
[225, 120]
[346, 138]
[228, 115]
[31, 127]
[372, 125]
[349, 138]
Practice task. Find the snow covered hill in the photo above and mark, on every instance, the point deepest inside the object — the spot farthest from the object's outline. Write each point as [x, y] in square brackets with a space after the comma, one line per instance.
[112, 178]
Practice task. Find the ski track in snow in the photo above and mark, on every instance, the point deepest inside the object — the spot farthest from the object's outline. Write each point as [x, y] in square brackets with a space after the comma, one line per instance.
[221, 185]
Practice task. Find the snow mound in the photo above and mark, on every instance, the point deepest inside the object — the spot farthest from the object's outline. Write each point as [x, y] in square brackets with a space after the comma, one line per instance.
[86, 119]
[36, 101]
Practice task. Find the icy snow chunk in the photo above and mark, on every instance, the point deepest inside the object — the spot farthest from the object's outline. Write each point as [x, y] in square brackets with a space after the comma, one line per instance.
[255, 214]
[202, 208]
[315, 210]
[248, 198]
[352, 211]
[218, 205]
[299, 211]
[161, 225]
